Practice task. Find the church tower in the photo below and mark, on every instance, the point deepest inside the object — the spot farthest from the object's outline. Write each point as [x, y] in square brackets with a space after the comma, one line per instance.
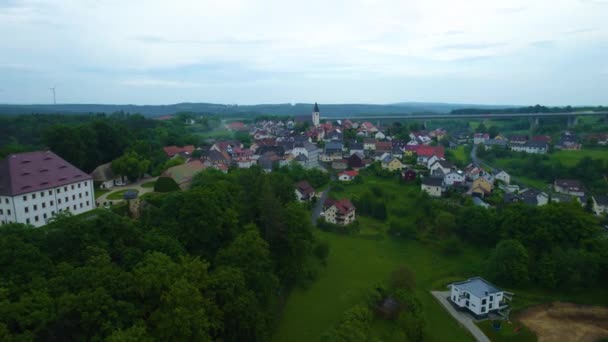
[316, 116]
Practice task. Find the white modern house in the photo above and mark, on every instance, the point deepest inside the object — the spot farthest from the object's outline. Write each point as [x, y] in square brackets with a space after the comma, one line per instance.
[479, 296]
[34, 186]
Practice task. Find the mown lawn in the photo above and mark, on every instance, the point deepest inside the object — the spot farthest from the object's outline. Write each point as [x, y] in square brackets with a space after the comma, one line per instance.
[99, 192]
[148, 184]
[359, 262]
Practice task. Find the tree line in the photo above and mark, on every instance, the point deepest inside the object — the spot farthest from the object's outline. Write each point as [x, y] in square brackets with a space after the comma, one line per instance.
[205, 264]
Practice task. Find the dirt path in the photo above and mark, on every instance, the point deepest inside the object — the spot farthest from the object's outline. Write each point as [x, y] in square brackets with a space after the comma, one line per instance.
[567, 322]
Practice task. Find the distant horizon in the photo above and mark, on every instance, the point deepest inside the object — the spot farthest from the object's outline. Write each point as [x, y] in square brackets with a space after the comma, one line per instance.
[305, 102]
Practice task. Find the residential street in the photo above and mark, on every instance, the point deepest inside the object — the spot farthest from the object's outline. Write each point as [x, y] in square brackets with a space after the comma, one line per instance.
[316, 211]
[464, 319]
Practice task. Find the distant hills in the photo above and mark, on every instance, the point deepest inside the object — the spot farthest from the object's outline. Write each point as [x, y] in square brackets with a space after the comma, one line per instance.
[246, 110]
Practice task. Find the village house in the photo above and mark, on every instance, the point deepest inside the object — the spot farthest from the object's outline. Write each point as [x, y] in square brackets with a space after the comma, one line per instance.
[600, 204]
[368, 128]
[369, 144]
[533, 147]
[391, 163]
[356, 161]
[479, 297]
[481, 187]
[569, 187]
[568, 141]
[442, 165]
[518, 139]
[424, 153]
[340, 164]
[454, 178]
[35, 186]
[340, 212]
[304, 191]
[502, 176]
[490, 143]
[307, 154]
[408, 175]
[105, 178]
[380, 136]
[183, 174]
[332, 151]
[383, 147]
[347, 176]
[480, 138]
[472, 172]
[173, 151]
[531, 197]
[434, 186]
[355, 148]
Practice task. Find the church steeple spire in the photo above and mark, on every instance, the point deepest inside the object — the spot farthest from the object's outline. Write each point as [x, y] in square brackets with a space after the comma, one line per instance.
[316, 116]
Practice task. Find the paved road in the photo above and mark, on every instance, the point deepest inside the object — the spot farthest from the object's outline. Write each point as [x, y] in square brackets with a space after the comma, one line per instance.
[316, 211]
[463, 318]
[137, 186]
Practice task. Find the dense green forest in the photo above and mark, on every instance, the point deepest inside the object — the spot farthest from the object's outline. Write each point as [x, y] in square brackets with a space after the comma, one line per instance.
[88, 141]
[210, 263]
[243, 110]
[530, 109]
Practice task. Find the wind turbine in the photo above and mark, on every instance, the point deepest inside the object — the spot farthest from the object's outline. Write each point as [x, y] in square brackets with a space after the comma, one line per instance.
[54, 98]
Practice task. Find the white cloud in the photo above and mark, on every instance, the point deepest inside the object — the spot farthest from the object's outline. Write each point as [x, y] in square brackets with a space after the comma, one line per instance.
[292, 41]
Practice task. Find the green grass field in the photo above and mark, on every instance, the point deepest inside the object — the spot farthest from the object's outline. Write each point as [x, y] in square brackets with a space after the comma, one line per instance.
[358, 262]
[570, 158]
[461, 155]
[99, 192]
[118, 195]
[148, 184]
[355, 265]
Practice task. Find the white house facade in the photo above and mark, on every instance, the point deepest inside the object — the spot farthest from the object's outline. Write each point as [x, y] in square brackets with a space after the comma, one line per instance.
[454, 177]
[35, 186]
[478, 296]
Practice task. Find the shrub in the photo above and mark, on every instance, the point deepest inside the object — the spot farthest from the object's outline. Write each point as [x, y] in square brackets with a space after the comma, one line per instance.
[165, 184]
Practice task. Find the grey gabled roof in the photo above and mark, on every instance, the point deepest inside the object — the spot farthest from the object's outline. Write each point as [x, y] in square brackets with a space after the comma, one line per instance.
[477, 286]
[432, 181]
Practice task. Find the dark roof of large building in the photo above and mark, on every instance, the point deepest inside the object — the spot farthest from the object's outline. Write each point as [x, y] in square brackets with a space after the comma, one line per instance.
[34, 171]
[316, 109]
[570, 184]
[432, 181]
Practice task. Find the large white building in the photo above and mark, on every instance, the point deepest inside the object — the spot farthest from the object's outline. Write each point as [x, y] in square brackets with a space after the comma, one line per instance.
[34, 186]
[478, 296]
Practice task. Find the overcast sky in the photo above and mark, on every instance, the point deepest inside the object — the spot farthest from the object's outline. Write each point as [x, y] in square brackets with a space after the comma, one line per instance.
[551, 52]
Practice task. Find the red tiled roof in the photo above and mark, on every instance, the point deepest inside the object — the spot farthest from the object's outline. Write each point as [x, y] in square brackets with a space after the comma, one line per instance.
[344, 206]
[429, 151]
[34, 171]
[305, 188]
[170, 151]
[353, 173]
[164, 117]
